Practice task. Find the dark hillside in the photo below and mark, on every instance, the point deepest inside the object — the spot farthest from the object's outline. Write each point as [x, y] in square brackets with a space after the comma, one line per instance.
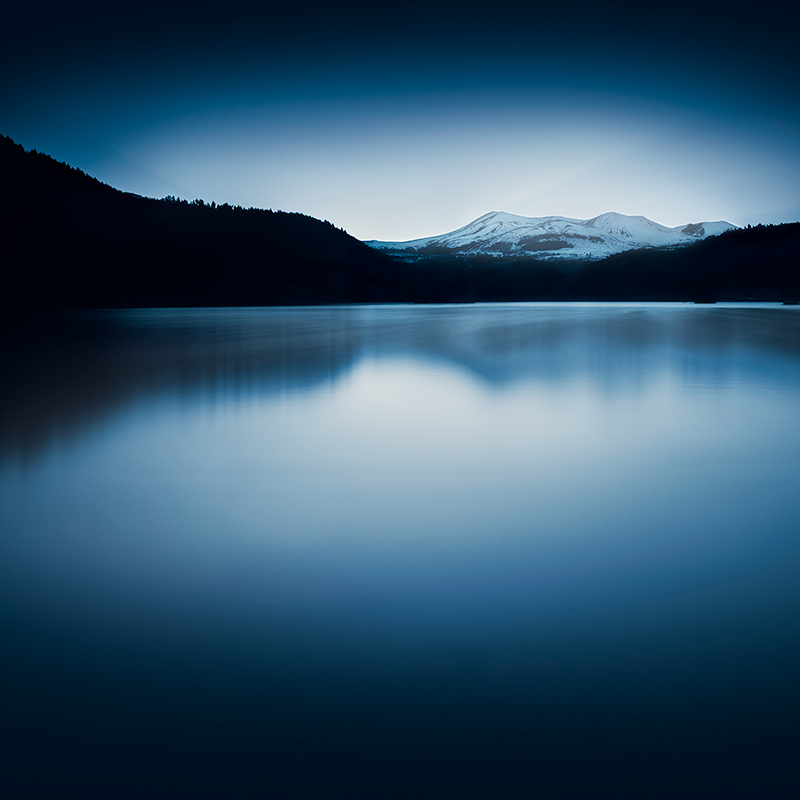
[69, 240]
[756, 263]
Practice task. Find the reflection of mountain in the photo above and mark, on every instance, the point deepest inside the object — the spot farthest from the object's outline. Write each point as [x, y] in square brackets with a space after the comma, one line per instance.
[66, 376]
[70, 373]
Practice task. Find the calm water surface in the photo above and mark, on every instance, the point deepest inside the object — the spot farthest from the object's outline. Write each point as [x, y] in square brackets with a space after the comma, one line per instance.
[510, 550]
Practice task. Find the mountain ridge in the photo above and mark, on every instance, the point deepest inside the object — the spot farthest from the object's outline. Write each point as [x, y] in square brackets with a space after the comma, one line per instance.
[501, 234]
[70, 241]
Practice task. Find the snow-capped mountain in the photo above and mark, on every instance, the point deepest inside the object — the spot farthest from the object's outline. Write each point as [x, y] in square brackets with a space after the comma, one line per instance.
[500, 234]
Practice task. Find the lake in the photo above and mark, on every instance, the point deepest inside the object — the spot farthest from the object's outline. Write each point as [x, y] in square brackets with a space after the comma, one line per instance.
[490, 550]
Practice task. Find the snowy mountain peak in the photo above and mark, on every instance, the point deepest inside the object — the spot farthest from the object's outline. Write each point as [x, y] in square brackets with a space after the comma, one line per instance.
[609, 218]
[501, 234]
[501, 216]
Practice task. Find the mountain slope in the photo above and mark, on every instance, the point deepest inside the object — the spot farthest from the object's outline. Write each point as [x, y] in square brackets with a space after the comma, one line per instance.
[501, 234]
[70, 241]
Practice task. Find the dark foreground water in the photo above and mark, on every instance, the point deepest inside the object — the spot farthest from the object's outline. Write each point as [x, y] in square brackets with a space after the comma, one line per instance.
[490, 551]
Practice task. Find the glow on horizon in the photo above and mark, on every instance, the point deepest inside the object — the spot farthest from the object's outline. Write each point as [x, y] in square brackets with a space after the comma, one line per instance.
[403, 168]
[394, 171]
[394, 148]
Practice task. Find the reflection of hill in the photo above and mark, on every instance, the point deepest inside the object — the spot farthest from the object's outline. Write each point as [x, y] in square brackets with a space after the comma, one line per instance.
[69, 374]
[66, 376]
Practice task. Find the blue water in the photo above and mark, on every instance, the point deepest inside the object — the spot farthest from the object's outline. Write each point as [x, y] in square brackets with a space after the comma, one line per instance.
[522, 550]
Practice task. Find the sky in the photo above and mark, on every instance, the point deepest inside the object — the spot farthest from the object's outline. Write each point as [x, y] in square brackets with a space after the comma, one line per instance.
[399, 121]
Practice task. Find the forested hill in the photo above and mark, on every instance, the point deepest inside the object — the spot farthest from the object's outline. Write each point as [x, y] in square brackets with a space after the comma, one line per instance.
[752, 263]
[70, 241]
[67, 240]
[755, 263]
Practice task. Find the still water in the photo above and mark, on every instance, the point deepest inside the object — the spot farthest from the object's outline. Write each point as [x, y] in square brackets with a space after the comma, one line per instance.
[519, 550]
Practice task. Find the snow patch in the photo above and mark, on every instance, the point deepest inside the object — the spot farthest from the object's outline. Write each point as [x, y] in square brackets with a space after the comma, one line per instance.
[501, 234]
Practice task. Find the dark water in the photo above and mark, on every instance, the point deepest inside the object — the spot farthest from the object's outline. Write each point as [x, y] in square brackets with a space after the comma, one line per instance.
[414, 551]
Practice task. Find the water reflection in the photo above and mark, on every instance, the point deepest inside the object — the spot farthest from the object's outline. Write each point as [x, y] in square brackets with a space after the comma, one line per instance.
[70, 373]
[435, 551]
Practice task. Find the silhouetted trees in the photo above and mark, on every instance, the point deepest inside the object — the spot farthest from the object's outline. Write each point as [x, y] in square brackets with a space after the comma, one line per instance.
[71, 241]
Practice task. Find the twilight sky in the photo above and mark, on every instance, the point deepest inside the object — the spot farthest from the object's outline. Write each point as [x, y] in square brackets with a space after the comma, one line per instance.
[407, 120]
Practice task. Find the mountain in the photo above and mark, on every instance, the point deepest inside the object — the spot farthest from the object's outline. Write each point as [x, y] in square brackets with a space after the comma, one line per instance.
[500, 234]
[71, 241]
